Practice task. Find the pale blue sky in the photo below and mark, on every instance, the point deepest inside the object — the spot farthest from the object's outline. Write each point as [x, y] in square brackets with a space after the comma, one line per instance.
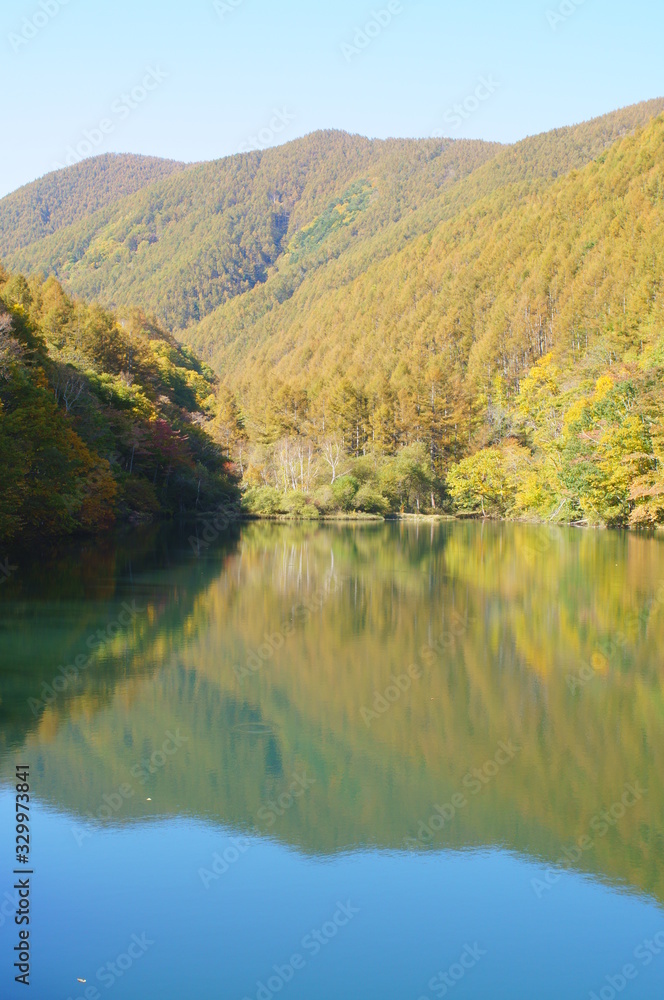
[227, 71]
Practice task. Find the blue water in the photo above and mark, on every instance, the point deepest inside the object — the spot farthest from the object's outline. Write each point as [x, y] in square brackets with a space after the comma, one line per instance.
[195, 882]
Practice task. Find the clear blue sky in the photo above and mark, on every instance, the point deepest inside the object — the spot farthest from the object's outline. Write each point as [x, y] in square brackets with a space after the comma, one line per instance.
[228, 69]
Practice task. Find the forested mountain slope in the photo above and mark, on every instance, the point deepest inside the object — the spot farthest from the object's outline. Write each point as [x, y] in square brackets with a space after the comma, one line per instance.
[186, 244]
[410, 324]
[193, 239]
[101, 418]
[64, 196]
[514, 171]
[533, 324]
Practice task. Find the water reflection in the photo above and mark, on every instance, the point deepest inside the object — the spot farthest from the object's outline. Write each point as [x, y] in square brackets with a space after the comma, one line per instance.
[457, 685]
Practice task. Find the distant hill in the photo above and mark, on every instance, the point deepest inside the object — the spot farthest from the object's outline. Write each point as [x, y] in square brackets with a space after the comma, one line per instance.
[64, 196]
[138, 231]
[182, 246]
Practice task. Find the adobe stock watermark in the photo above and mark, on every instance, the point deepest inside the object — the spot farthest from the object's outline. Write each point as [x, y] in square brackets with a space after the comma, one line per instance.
[108, 974]
[281, 119]
[257, 659]
[460, 113]
[112, 802]
[69, 675]
[600, 658]
[600, 825]
[383, 700]
[599, 664]
[444, 981]
[391, 694]
[214, 527]
[36, 22]
[473, 783]
[225, 7]
[121, 108]
[375, 26]
[563, 12]
[643, 955]
[269, 814]
[310, 946]
[8, 907]
[540, 547]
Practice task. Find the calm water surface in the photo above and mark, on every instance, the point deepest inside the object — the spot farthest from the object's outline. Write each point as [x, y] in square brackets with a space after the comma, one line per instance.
[317, 763]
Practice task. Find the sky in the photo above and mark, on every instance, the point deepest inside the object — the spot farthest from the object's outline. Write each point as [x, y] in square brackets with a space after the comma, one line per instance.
[201, 79]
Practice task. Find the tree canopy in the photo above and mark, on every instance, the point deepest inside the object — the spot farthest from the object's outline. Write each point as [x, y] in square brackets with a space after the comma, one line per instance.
[409, 325]
[101, 417]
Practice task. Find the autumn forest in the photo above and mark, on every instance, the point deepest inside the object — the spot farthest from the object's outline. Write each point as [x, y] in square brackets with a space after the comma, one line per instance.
[340, 327]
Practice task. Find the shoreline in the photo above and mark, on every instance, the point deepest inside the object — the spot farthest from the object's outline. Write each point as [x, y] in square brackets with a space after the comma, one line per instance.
[23, 544]
[360, 518]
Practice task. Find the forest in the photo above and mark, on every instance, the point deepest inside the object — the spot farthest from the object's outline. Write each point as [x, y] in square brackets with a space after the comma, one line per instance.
[410, 326]
[508, 363]
[511, 360]
[102, 419]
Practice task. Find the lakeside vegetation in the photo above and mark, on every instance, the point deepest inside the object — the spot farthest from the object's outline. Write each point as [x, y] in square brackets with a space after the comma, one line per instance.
[101, 418]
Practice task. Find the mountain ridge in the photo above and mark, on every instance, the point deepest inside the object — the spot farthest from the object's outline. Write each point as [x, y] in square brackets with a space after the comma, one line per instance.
[212, 255]
[409, 325]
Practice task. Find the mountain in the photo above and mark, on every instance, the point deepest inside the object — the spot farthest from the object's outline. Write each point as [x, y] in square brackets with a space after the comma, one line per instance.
[515, 173]
[63, 197]
[182, 246]
[185, 241]
[412, 324]
[520, 336]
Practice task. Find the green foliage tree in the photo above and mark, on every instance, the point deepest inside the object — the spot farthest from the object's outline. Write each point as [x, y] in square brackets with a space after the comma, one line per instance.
[479, 483]
[92, 423]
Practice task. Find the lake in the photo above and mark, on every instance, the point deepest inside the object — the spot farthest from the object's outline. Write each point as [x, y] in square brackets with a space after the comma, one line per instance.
[397, 761]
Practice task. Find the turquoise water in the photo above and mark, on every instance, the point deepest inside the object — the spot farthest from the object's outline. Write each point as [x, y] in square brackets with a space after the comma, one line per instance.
[321, 762]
